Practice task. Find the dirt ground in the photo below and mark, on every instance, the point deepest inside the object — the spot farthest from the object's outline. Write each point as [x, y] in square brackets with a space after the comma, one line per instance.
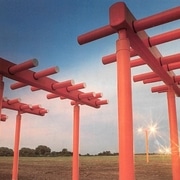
[91, 167]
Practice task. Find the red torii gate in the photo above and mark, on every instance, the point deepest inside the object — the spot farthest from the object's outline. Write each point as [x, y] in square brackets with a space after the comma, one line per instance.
[64, 90]
[38, 80]
[76, 121]
[131, 34]
[21, 108]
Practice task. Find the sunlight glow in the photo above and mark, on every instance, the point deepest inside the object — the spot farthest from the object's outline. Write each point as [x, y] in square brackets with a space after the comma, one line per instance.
[152, 129]
[164, 150]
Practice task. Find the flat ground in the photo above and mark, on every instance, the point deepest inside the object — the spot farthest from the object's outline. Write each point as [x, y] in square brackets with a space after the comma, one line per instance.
[91, 167]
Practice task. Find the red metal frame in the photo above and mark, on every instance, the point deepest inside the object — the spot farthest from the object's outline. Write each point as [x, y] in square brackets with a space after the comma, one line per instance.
[75, 164]
[16, 147]
[129, 29]
[174, 141]
[125, 122]
[121, 19]
[38, 80]
[152, 41]
[76, 121]
[15, 104]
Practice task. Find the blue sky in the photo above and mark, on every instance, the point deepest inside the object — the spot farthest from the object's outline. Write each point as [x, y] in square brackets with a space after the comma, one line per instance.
[48, 30]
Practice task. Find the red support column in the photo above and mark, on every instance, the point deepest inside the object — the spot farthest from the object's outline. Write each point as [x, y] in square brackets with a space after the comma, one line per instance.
[147, 145]
[1, 91]
[75, 168]
[16, 147]
[173, 134]
[125, 122]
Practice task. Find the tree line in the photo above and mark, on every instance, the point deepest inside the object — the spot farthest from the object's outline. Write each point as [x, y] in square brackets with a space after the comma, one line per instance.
[44, 151]
[40, 151]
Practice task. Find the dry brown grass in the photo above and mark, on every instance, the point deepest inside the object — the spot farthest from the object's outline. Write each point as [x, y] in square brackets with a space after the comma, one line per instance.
[91, 167]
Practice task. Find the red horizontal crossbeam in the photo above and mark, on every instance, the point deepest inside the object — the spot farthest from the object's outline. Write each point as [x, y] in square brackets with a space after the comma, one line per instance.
[153, 77]
[37, 80]
[150, 41]
[23, 66]
[159, 89]
[89, 95]
[170, 59]
[164, 37]
[121, 18]
[162, 60]
[98, 102]
[18, 85]
[151, 80]
[157, 19]
[144, 76]
[13, 101]
[36, 75]
[63, 84]
[23, 108]
[97, 95]
[46, 72]
[149, 55]
[148, 79]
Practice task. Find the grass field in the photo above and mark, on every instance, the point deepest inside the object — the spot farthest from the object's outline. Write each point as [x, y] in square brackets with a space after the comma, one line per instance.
[91, 168]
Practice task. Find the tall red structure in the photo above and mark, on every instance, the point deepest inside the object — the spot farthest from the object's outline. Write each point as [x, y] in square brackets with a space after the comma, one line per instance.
[133, 41]
[39, 81]
[21, 108]
[76, 123]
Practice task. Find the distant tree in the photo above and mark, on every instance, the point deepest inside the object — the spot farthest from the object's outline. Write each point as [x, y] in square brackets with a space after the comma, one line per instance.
[105, 153]
[54, 154]
[42, 150]
[87, 154]
[65, 152]
[4, 151]
[26, 152]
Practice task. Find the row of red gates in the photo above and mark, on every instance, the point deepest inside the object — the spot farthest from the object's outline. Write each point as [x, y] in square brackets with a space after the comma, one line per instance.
[132, 41]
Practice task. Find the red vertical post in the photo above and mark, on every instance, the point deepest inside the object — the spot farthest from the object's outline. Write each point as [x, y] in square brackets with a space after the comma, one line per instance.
[147, 145]
[75, 168]
[175, 159]
[16, 147]
[1, 91]
[125, 122]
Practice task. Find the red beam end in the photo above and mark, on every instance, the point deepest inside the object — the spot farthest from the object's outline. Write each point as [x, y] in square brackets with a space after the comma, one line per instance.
[17, 85]
[87, 95]
[159, 89]
[13, 101]
[144, 76]
[42, 112]
[36, 106]
[157, 19]
[95, 34]
[63, 84]
[76, 87]
[101, 102]
[51, 96]
[46, 72]
[23, 66]
[35, 88]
